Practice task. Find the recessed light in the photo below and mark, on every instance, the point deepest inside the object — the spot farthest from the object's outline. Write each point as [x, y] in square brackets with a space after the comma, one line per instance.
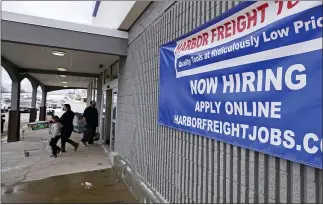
[58, 53]
[61, 69]
[65, 86]
[64, 82]
[63, 76]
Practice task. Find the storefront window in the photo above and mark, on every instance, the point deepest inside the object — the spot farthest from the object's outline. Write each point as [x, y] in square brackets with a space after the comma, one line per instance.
[115, 71]
[103, 77]
[108, 75]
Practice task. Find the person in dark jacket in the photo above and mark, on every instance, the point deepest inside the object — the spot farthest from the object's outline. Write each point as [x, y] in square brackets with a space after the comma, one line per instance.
[67, 129]
[91, 121]
[2, 122]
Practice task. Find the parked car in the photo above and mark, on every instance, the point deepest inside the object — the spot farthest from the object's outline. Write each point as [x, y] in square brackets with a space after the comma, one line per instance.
[77, 97]
[53, 105]
[26, 97]
[25, 106]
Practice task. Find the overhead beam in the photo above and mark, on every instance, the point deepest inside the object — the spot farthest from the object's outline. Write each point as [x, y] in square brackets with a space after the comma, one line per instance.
[54, 88]
[54, 72]
[19, 31]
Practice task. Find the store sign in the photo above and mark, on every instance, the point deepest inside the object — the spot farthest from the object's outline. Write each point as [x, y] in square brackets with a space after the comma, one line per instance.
[252, 78]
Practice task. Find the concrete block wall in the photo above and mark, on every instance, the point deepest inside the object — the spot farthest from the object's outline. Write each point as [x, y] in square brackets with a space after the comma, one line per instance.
[184, 167]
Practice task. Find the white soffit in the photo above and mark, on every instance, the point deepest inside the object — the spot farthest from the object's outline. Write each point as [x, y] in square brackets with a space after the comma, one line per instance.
[85, 28]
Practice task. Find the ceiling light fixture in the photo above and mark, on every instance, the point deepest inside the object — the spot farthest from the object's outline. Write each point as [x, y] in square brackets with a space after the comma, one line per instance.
[61, 69]
[64, 82]
[58, 53]
[65, 86]
[63, 76]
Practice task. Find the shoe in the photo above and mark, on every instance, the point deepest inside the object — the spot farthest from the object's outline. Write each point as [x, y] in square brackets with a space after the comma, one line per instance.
[76, 146]
[59, 152]
[54, 156]
[63, 150]
[83, 144]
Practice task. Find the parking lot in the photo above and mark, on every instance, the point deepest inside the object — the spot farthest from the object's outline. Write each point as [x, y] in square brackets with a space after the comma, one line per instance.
[77, 106]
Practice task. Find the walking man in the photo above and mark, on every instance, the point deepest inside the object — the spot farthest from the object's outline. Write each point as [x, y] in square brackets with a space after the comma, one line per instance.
[90, 117]
[67, 129]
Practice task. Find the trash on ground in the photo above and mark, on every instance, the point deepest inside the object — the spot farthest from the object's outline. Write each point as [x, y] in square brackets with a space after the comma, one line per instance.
[87, 184]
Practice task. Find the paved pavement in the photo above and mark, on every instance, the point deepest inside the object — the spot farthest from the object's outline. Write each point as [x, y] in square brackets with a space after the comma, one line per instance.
[16, 168]
[106, 188]
[82, 176]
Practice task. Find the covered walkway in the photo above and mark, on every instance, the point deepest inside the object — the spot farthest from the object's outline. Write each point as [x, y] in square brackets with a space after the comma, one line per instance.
[55, 55]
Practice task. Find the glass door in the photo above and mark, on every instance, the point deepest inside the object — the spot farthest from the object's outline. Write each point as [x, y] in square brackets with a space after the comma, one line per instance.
[113, 117]
[103, 118]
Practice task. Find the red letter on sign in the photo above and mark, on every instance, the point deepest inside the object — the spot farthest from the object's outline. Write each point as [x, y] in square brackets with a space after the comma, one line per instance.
[213, 34]
[291, 4]
[193, 43]
[241, 24]
[262, 9]
[252, 18]
[280, 6]
[205, 37]
[220, 32]
[199, 41]
[188, 45]
[179, 48]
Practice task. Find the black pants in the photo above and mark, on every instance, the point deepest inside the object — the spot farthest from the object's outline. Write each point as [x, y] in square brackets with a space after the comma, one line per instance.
[89, 133]
[2, 123]
[66, 134]
[53, 144]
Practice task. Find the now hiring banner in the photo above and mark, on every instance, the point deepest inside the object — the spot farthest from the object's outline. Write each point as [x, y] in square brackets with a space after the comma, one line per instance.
[251, 77]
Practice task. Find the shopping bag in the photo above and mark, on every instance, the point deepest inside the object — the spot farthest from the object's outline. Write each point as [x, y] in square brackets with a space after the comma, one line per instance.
[96, 136]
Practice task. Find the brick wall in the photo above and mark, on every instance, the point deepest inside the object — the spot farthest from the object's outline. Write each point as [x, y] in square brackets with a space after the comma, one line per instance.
[184, 167]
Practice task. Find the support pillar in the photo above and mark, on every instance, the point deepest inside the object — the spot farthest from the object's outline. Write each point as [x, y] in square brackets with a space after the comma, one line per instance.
[33, 109]
[42, 108]
[92, 90]
[88, 95]
[14, 113]
[95, 84]
[99, 98]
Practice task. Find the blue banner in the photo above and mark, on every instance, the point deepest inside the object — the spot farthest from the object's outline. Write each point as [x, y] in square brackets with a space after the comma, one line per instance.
[252, 77]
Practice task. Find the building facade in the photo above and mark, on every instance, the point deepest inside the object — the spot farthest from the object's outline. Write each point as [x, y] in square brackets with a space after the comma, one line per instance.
[177, 166]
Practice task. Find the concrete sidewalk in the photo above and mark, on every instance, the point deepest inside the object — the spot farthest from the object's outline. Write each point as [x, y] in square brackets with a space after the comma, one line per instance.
[16, 168]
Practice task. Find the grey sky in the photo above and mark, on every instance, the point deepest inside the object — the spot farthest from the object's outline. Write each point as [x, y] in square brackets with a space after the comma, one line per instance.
[74, 11]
